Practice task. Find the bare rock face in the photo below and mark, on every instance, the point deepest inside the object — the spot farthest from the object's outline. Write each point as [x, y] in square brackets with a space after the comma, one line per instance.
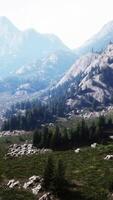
[78, 67]
[89, 81]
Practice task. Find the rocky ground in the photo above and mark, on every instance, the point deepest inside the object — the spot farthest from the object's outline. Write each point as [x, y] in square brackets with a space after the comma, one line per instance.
[82, 113]
[34, 184]
[16, 150]
[14, 133]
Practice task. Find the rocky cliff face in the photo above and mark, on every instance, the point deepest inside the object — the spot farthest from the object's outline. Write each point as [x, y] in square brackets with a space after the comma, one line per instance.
[89, 82]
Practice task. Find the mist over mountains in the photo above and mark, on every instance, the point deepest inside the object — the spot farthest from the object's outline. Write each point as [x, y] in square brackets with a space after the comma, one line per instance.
[31, 62]
[98, 42]
[18, 48]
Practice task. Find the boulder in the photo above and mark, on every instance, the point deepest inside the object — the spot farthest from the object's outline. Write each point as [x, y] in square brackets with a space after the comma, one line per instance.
[46, 196]
[108, 157]
[25, 149]
[12, 183]
[35, 178]
[93, 146]
[36, 189]
[77, 150]
[32, 181]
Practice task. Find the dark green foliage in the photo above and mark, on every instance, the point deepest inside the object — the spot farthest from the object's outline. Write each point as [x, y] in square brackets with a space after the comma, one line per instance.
[90, 174]
[31, 120]
[36, 138]
[49, 174]
[68, 138]
[60, 182]
[35, 113]
[54, 177]
[8, 194]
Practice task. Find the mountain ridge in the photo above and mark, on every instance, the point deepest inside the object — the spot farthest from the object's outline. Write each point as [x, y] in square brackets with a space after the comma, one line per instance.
[22, 47]
[98, 42]
[88, 83]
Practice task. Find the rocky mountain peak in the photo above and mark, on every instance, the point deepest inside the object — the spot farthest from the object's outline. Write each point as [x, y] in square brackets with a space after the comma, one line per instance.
[6, 25]
[90, 80]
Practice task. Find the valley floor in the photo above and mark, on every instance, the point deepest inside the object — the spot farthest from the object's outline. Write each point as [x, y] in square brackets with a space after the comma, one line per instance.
[91, 176]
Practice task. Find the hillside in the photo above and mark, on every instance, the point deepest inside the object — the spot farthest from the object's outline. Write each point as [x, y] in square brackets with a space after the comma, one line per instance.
[88, 168]
[88, 82]
[98, 42]
[22, 47]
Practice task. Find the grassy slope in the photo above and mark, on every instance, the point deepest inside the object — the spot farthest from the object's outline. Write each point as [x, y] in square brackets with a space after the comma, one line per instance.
[88, 170]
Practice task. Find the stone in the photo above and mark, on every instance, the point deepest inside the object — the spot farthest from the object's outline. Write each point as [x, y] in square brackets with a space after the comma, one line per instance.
[25, 149]
[108, 157]
[93, 146]
[46, 197]
[36, 189]
[32, 181]
[77, 150]
[12, 183]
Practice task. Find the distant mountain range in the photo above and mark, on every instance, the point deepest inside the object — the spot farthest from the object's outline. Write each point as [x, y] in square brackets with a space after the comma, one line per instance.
[98, 42]
[38, 75]
[31, 62]
[18, 48]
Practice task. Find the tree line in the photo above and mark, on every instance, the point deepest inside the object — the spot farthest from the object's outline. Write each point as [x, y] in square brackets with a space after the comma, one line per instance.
[29, 115]
[68, 138]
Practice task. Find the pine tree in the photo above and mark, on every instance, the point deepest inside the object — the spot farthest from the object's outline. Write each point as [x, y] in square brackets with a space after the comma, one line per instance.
[56, 138]
[36, 138]
[49, 174]
[60, 181]
[65, 139]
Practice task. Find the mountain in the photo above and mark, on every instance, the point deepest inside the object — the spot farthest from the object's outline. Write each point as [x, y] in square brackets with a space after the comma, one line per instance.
[98, 42]
[89, 82]
[49, 67]
[39, 74]
[21, 47]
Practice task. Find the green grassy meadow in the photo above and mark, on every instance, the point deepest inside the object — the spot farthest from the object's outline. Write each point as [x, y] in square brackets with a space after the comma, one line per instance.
[91, 176]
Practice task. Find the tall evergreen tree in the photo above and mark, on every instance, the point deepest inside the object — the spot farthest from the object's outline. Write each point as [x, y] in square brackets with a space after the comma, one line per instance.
[60, 181]
[36, 138]
[49, 174]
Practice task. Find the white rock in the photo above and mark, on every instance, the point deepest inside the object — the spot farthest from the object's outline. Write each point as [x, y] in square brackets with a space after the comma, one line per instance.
[28, 184]
[111, 137]
[25, 149]
[45, 196]
[108, 157]
[36, 189]
[93, 146]
[77, 150]
[32, 180]
[12, 183]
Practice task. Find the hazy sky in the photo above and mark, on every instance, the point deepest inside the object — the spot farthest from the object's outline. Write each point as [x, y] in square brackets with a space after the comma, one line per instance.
[74, 21]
